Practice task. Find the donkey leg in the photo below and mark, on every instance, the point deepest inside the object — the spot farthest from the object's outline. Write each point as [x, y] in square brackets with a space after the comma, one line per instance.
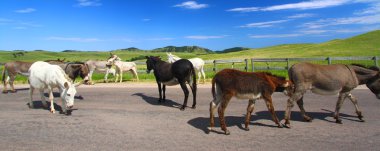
[186, 93]
[163, 92]
[203, 74]
[11, 80]
[269, 103]
[43, 100]
[339, 103]
[290, 104]
[302, 109]
[193, 87]
[250, 108]
[121, 75]
[5, 89]
[213, 105]
[221, 109]
[355, 102]
[51, 98]
[31, 90]
[159, 91]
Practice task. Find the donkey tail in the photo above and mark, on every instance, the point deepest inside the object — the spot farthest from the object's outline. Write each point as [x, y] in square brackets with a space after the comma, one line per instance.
[213, 89]
[3, 74]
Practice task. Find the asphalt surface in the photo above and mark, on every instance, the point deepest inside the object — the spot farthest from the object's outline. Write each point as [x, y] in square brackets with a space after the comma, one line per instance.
[127, 116]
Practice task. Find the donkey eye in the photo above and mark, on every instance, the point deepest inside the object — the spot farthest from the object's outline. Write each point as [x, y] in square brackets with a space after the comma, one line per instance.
[68, 94]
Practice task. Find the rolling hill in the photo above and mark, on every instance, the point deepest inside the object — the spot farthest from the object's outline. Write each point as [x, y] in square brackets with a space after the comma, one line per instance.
[367, 44]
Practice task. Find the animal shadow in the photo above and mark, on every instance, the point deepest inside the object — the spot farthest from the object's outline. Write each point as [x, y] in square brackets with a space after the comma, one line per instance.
[154, 101]
[39, 105]
[203, 123]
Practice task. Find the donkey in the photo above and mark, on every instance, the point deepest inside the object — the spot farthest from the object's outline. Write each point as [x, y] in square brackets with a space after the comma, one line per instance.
[10, 70]
[46, 76]
[100, 66]
[179, 72]
[75, 69]
[198, 64]
[122, 66]
[330, 80]
[244, 85]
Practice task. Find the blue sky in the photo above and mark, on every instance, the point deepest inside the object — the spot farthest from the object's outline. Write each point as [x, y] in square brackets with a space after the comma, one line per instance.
[103, 25]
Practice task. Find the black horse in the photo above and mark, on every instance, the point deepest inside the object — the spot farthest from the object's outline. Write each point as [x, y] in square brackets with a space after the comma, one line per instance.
[179, 72]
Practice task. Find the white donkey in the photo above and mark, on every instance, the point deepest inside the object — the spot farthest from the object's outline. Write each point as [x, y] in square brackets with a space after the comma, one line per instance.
[122, 66]
[198, 64]
[46, 76]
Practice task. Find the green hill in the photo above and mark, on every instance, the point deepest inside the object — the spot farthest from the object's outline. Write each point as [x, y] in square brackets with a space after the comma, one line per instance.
[367, 44]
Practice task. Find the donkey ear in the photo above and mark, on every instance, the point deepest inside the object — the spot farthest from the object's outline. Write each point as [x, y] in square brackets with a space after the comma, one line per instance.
[66, 85]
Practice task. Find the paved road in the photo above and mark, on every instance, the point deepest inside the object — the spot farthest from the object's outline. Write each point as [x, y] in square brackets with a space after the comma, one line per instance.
[127, 117]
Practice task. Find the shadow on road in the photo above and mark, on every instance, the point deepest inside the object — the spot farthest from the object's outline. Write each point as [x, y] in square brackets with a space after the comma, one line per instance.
[203, 123]
[154, 101]
[39, 105]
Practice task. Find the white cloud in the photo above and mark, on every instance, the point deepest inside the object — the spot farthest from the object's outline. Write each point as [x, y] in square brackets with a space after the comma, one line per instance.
[85, 3]
[374, 8]
[264, 24]
[203, 37]
[313, 4]
[26, 10]
[74, 39]
[275, 36]
[360, 20]
[191, 5]
[305, 15]
[244, 9]
[146, 19]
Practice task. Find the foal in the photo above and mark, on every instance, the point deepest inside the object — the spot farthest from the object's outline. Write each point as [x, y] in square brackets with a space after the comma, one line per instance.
[244, 85]
[180, 72]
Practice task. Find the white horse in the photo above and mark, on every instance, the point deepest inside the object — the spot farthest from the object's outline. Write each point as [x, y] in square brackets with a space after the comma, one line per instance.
[198, 64]
[100, 66]
[122, 66]
[46, 76]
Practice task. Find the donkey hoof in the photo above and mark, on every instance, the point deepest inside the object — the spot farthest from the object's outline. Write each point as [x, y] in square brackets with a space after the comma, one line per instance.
[308, 119]
[194, 107]
[338, 121]
[227, 132]
[30, 105]
[280, 126]
[286, 125]
[246, 129]
[5, 91]
[182, 108]
[13, 91]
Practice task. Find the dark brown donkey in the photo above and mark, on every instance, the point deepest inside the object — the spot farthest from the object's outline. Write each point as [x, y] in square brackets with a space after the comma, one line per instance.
[10, 70]
[329, 80]
[244, 85]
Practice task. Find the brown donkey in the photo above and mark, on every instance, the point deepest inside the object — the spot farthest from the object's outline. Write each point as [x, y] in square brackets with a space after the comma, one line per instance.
[244, 85]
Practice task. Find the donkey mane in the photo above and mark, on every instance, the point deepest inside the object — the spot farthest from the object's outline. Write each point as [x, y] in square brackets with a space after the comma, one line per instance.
[273, 75]
[374, 68]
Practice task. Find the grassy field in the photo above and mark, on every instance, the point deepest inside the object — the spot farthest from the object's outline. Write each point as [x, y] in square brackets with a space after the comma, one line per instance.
[362, 45]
